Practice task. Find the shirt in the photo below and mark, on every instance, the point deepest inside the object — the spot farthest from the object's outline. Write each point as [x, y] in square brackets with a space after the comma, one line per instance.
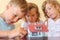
[54, 28]
[5, 26]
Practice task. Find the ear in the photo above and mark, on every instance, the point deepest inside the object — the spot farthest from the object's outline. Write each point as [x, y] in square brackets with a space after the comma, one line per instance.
[8, 6]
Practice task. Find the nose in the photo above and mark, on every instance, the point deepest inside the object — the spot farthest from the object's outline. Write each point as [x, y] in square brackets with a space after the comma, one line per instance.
[30, 18]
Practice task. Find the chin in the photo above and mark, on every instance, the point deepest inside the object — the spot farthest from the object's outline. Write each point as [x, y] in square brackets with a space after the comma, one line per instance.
[10, 23]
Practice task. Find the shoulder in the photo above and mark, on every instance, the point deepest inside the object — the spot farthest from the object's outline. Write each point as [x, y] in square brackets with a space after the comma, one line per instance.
[23, 24]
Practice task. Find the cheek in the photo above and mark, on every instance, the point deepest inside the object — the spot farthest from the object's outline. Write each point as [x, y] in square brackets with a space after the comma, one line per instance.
[55, 15]
[35, 17]
[21, 15]
[9, 17]
[29, 19]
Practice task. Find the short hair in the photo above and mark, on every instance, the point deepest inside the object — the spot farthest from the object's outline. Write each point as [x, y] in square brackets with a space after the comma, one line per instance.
[33, 5]
[54, 3]
[21, 3]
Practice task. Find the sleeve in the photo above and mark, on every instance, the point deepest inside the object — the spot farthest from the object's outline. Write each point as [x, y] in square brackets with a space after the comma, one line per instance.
[24, 25]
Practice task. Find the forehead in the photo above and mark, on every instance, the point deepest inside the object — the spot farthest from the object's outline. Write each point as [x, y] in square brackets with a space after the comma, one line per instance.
[49, 5]
[33, 11]
[18, 10]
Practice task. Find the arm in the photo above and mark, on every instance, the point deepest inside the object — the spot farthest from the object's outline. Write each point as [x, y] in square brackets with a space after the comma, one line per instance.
[3, 33]
[23, 32]
[13, 33]
[9, 33]
[17, 32]
[23, 29]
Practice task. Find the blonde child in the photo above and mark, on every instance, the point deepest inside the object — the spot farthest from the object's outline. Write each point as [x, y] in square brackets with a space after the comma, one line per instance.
[51, 9]
[15, 10]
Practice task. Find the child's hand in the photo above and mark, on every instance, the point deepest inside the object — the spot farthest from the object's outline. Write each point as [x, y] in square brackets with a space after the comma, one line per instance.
[3, 33]
[13, 33]
[23, 32]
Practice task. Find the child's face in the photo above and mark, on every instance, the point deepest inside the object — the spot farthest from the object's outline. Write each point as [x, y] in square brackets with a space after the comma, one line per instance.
[51, 11]
[13, 14]
[31, 15]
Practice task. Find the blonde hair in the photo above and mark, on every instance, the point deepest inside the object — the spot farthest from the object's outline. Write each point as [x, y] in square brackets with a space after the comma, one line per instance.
[20, 3]
[54, 3]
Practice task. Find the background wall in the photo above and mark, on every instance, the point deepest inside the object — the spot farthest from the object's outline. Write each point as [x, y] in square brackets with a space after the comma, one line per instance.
[3, 4]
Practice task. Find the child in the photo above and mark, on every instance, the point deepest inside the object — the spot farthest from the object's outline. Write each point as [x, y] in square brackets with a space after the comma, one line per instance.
[16, 9]
[51, 9]
[32, 17]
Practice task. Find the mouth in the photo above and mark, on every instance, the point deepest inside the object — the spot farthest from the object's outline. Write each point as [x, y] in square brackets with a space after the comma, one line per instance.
[10, 22]
[51, 15]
